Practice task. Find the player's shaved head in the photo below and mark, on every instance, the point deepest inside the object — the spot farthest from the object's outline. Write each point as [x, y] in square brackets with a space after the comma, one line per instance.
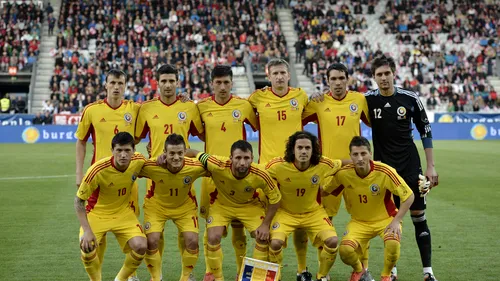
[241, 145]
[123, 138]
[360, 141]
[167, 69]
[292, 140]
[174, 139]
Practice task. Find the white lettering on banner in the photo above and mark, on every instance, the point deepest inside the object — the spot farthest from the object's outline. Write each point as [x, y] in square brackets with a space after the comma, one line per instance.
[67, 119]
[494, 132]
[58, 135]
[19, 122]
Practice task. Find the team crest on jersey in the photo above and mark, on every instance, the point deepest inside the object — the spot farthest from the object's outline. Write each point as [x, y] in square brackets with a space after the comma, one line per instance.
[315, 179]
[353, 107]
[187, 180]
[375, 189]
[294, 103]
[182, 116]
[127, 117]
[147, 225]
[236, 115]
[276, 225]
[210, 220]
[401, 112]
[249, 189]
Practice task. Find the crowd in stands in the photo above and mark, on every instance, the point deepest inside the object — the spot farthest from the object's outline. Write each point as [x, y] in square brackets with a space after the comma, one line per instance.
[137, 36]
[20, 31]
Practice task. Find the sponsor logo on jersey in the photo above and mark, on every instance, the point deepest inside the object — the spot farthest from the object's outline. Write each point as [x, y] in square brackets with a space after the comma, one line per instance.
[328, 109]
[353, 107]
[268, 105]
[103, 120]
[276, 225]
[187, 180]
[315, 179]
[182, 116]
[375, 189]
[127, 117]
[387, 105]
[156, 117]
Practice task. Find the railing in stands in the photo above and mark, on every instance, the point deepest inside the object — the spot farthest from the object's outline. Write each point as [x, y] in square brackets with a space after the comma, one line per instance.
[32, 86]
[249, 71]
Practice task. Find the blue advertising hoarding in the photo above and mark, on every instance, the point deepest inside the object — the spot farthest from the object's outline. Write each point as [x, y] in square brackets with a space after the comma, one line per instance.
[16, 119]
[458, 117]
[57, 133]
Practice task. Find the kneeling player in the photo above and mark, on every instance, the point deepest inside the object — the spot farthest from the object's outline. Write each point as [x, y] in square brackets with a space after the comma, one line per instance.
[235, 198]
[368, 188]
[299, 175]
[110, 180]
[170, 198]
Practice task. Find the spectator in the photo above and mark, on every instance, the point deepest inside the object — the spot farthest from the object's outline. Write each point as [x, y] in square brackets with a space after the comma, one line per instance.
[20, 105]
[38, 120]
[5, 104]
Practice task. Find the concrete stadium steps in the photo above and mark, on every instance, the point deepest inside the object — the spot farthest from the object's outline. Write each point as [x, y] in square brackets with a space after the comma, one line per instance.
[45, 63]
[241, 88]
[286, 22]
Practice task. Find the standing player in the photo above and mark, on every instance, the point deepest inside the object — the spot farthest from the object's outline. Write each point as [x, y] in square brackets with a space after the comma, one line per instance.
[299, 176]
[237, 179]
[107, 187]
[170, 197]
[223, 116]
[279, 110]
[164, 116]
[102, 120]
[368, 188]
[392, 110]
[338, 114]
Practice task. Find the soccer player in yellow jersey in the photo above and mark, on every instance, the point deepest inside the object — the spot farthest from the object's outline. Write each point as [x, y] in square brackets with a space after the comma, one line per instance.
[170, 198]
[338, 116]
[237, 179]
[107, 188]
[102, 120]
[164, 116]
[368, 189]
[279, 110]
[223, 116]
[299, 176]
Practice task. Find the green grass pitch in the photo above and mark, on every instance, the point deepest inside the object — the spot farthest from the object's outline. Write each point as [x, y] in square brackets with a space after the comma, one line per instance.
[39, 228]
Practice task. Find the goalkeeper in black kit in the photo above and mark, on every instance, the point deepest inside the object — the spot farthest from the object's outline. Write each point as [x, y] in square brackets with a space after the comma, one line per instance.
[392, 112]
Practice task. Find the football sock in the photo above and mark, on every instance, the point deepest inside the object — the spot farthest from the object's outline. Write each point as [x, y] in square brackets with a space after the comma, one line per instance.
[239, 244]
[214, 260]
[102, 249]
[365, 255]
[261, 252]
[300, 242]
[153, 264]
[423, 237]
[181, 245]
[189, 259]
[161, 244]
[205, 251]
[349, 255]
[327, 259]
[391, 255]
[92, 265]
[132, 261]
[276, 256]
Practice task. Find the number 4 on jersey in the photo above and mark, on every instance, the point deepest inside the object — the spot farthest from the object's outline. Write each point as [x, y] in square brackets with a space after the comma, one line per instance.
[223, 127]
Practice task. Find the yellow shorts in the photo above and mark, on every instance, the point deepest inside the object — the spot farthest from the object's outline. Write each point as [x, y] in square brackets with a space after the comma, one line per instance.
[331, 204]
[250, 215]
[363, 232]
[124, 227]
[316, 223]
[185, 217]
[134, 199]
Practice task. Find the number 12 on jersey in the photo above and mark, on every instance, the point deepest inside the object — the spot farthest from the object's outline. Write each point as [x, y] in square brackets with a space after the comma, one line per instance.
[377, 112]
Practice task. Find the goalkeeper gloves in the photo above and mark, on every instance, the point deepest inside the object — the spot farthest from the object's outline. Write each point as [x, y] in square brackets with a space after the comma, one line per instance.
[423, 185]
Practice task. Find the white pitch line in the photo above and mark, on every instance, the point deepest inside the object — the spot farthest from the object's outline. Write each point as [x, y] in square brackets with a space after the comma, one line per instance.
[36, 177]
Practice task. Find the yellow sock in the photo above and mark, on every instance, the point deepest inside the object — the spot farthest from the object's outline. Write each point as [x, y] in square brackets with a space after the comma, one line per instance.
[320, 249]
[300, 242]
[276, 257]
[92, 265]
[261, 252]
[214, 260]
[240, 245]
[349, 255]
[365, 255]
[189, 259]
[102, 249]
[132, 261]
[153, 264]
[181, 245]
[205, 251]
[161, 244]
[391, 255]
[326, 261]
